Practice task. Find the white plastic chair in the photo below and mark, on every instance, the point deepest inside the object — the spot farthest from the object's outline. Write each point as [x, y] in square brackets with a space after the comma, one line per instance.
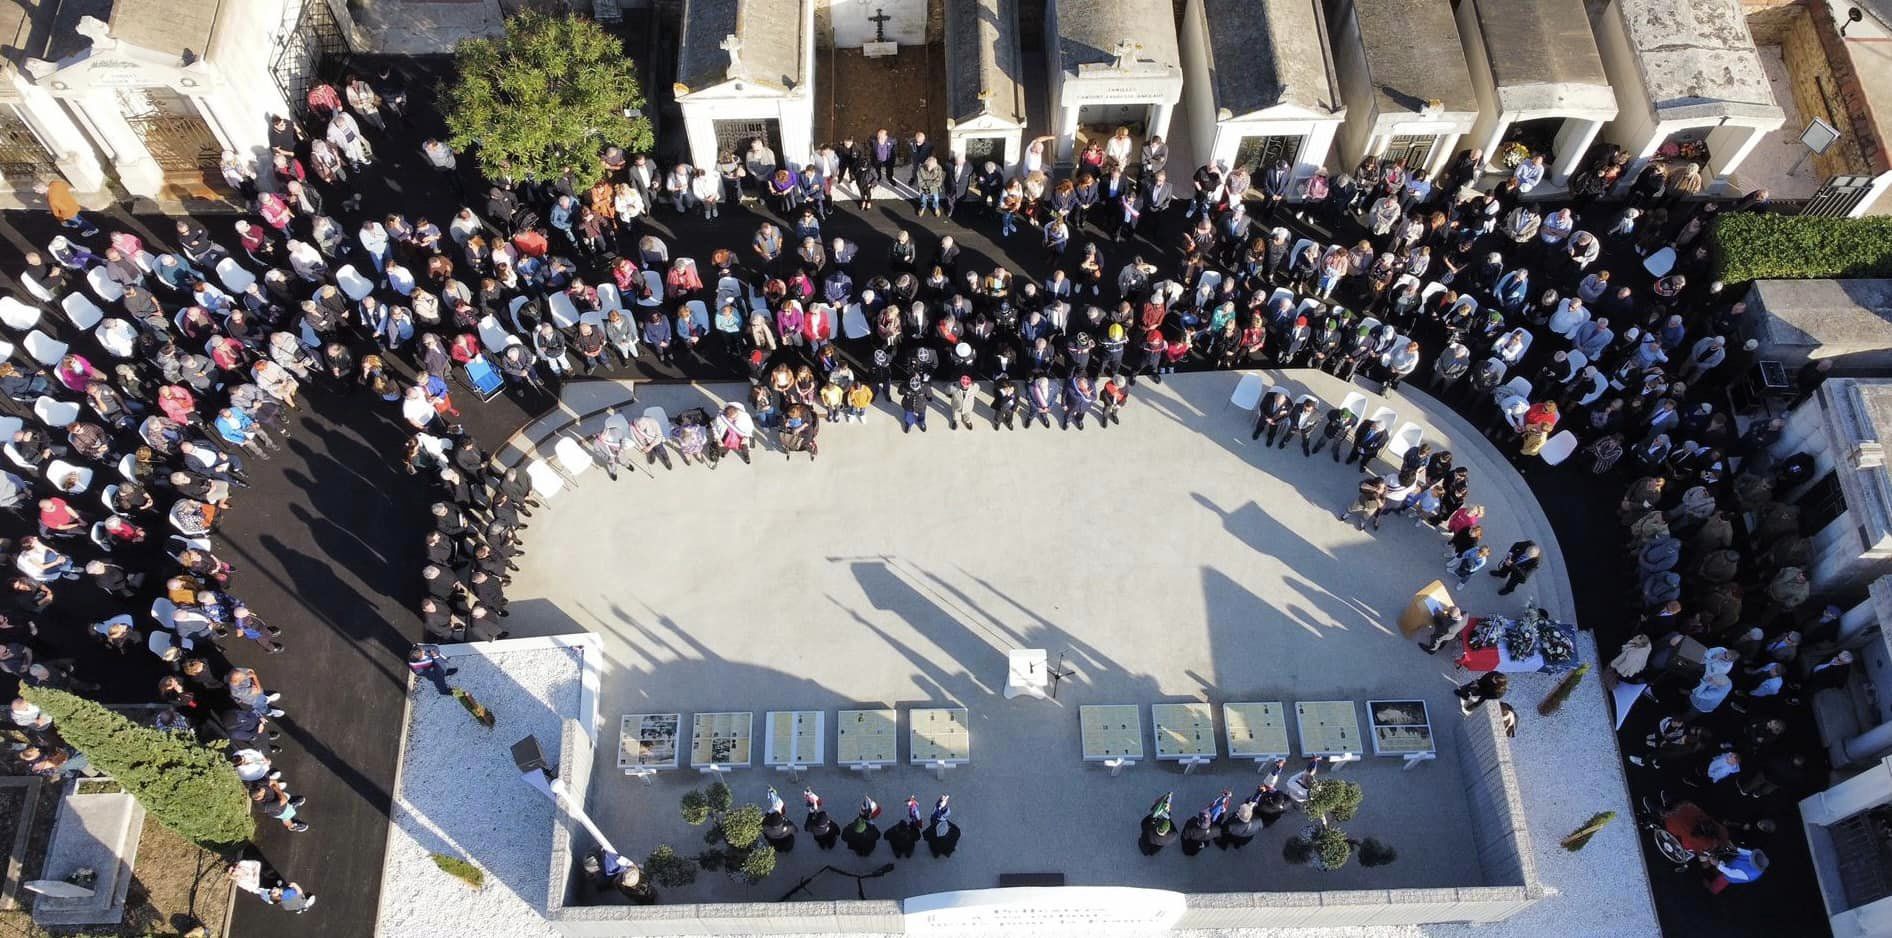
[1660, 263]
[1409, 436]
[731, 291]
[118, 337]
[353, 283]
[512, 313]
[1386, 417]
[1247, 393]
[662, 418]
[128, 467]
[854, 321]
[107, 494]
[59, 469]
[1300, 246]
[1518, 387]
[1354, 403]
[235, 278]
[10, 426]
[164, 612]
[608, 298]
[98, 537]
[55, 414]
[36, 288]
[594, 317]
[655, 281]
[16, 315]
[108, 289]
[1280, 293]
[495, 337]
[1404, 279]
[699, 314]
[546, 481]
[1577, 360]
[1309, 308]
[81, 311]
[564, 314]
[1559, 447]
[161, 642]
[1430, 290]
[572, 456]
[44, 348]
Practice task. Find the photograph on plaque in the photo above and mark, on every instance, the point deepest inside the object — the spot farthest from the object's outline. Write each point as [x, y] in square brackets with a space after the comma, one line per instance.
[655, 738]
[1400, 726]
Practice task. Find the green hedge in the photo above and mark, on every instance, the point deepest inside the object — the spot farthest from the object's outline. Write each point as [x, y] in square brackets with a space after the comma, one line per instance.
[1788, 247]
[191, 789]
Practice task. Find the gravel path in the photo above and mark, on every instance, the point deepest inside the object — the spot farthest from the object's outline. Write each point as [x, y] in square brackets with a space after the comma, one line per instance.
[459, 794]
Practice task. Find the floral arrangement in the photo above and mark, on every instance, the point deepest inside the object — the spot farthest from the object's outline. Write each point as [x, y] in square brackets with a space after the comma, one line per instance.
[1513, 154]
[1556, 644]
[1520, 639]
[1489, 630]
[1693, 151]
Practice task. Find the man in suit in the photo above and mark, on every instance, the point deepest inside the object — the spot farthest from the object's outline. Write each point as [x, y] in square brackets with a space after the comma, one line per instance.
[1273, 412]
[918, 149]
[1155, 199]
[1367, 443]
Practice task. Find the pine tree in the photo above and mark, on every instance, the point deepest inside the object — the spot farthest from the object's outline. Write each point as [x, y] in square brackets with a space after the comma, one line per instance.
[546, 95]
[189, 788]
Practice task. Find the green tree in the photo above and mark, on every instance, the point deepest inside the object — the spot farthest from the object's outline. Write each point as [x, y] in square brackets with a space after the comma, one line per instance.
[544, 96]
[191, 789]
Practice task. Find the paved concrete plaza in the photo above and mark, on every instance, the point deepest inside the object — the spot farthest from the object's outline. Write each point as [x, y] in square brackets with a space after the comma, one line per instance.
[1166, 559]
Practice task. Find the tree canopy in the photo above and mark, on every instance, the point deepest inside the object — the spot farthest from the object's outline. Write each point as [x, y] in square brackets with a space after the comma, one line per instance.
[544, 96]
[189, 788]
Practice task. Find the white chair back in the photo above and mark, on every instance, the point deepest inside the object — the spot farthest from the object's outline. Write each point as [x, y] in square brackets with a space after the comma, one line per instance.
[1247, 395]
[1559, 447]
[34, 287]
[564, 314]
[59, 470]
[235, 278]
[1386, 417]
[81, 311]
[1520, 386]
[118, 337]
[16, 315]
[699, 315]
[608, 298]
[55, 413]
[854, 322]
[546, 481]
[655, 281]
[353, 283]
[107, 289]
[494, 336]
[44, 348]
[1408, 437]
[1355, 404]
[572, 456]
[1431, 290]
[165, 612]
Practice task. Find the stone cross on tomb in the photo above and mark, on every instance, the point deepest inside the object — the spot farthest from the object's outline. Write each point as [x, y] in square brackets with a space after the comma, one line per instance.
[880, 20]
[733, 45]
[1125, 52]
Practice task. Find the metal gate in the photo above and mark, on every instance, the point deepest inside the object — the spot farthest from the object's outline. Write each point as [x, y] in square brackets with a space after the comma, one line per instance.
[1839, 197]
[1259, 153]
[22, 156]
[1415, 149]
[170, 127]
[981, 149]
[734, 136]
[303, 52]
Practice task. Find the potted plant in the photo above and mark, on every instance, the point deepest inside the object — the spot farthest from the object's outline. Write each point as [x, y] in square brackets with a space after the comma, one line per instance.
[734, 836]
[1322, 844]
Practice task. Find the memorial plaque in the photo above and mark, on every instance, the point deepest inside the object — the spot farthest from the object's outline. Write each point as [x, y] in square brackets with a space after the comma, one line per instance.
[1257, 730]
[1328, 728]
[794, 738]
[1400, 727]
[648, 740]
[1111, 731]
[722, 738]
[1183, 731]
[1044, 912]
[865, 737]
[939, 735]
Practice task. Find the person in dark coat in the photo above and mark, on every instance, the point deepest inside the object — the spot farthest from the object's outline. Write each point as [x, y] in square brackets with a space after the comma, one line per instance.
[1242, 826]
[1157, 831]
[777, 829]
[1275, 408]
[818, 824]
[1519, 563]
[862, 836]
[1198, 832]
[942, 835]
[905, 834]
[1367, 443]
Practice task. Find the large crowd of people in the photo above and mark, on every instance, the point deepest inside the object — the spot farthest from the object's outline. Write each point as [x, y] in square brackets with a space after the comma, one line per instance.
[155, 372]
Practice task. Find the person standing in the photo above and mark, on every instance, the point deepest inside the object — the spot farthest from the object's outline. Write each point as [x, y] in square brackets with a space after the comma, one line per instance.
[1157, 831]
[959, 411]
[1303, 421]
[1340, 422]
[862, 836]
[904, 835]
[818, 824]
[1367, 504]
[1197, 833]
[913, 404]
[65, 206]
[942, 835]
[1367, 443]
[1274, 411]
[1519, 563]
[1447, 623]
[1488, 686]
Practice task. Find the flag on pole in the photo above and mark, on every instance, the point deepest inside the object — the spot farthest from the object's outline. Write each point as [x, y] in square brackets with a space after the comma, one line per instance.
[1160, 810]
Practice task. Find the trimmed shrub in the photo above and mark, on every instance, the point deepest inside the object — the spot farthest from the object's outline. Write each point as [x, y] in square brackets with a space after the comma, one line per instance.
[695, 808]
[1334, 800]
[191, 789]
[742, 827]
[460, 869]
[1581, 836]
[757, 866]
[1748, 247]
[1331, 848]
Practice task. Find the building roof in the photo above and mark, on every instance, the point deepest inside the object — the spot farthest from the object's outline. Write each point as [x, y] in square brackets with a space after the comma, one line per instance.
[46, 29]
[1089, 29]
[1543, 55]
[166, 26]
[1413, 55]
[983, 64]
[1277, 57]
[1848, 321]
[1697, 59]
[770, 32]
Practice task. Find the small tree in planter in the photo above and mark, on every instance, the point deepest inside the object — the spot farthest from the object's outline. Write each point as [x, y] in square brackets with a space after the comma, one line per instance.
[734, 835]
[1321, 843]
